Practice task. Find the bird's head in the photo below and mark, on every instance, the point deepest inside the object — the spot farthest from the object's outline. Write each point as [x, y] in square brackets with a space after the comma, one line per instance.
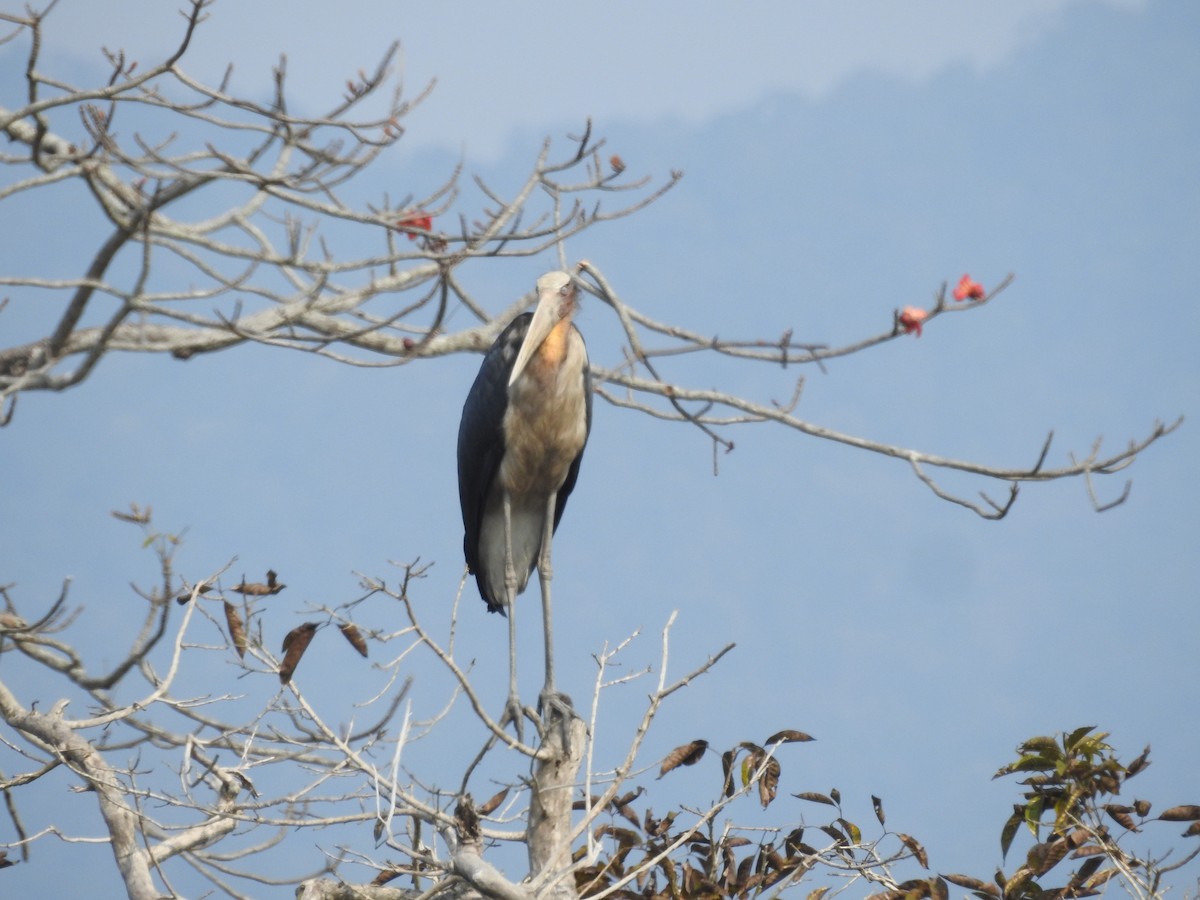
[556, 301]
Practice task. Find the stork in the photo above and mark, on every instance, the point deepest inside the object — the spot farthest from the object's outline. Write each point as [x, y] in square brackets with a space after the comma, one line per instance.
[524, 426]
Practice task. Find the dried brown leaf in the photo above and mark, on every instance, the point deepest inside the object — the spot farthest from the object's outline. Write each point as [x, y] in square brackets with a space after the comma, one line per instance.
[973, 884]
[658, 827]
[137, 516]
[877, 805]
[815, 797]
[788, 736]
[772, 861]
[258, 589]
[295, 642]
[917, 850]
[623, 836]
[237, 631]
[685, 755]
[1100, 877]
[627, 798]
[187, 594]
[1187, 813]
[768, 783]
[351, 633]
[386, 875]
[5, 862]
[1121, 815]
[1086, 871]
[835, 834]
[1077, 838]
[1138, 764]
[913, 889]
[794, 839]
[744, 871]
[1141, 807]
[592, 801]
[727, 760]
[246, 783]
[493, 802]
[1192, 830]
[629, 814]
[1044, 857]
[621, 804]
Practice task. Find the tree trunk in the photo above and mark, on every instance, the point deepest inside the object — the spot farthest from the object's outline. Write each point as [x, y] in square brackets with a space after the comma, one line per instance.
[553, 791]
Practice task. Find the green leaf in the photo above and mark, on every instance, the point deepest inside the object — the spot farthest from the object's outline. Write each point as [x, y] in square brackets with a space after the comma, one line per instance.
[853, 830]
[1010, 829]
[1033, 814]
[1028, 763]
[1041, 746]
[1071, 740]
[1092, 746]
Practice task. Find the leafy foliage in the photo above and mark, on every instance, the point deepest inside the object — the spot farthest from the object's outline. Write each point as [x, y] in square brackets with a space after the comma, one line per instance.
[1069, 783]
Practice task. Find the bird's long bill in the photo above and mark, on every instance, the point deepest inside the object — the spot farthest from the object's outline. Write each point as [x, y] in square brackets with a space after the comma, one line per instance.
[545, 317]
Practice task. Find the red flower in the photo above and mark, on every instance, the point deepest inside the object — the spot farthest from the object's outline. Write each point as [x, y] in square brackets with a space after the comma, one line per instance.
[968, 289]
[421, 220]
[911, 319]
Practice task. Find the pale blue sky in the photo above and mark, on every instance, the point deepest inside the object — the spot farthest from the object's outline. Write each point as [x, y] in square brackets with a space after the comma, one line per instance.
[841, 160]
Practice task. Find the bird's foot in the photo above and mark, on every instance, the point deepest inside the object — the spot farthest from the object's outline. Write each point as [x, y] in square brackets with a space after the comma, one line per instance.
[516, 714]
[557, 712]
[554, 705]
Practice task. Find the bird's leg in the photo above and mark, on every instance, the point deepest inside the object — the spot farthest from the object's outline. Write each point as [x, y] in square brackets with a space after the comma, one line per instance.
[512, 708]
[550, 701]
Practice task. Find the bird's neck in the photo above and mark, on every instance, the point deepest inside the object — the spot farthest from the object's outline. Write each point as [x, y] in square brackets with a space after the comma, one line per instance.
[553, 350]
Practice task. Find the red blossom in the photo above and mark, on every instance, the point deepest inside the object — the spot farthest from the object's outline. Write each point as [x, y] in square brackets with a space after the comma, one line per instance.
[911, 318]
[421, 220]
[968, 289]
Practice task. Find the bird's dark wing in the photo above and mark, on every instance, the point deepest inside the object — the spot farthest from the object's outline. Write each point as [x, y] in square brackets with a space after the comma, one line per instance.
[564, 492]
[481, 436]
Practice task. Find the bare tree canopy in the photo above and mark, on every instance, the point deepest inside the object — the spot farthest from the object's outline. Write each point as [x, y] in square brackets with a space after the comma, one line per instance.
[264, 259]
